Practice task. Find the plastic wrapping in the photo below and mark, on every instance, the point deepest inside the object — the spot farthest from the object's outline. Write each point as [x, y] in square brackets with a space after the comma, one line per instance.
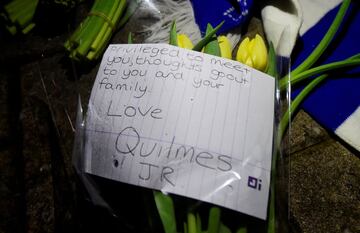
[135, 205]
[133, 209]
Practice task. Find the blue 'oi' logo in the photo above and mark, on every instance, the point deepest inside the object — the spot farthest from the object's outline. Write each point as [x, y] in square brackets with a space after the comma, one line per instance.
[254, 183]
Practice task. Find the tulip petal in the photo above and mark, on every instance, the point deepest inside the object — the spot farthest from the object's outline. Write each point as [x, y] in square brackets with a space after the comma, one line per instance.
[242, 53]
[225, 47]
[253, 53]
[184, 41]
[249, 62]
[259, 53]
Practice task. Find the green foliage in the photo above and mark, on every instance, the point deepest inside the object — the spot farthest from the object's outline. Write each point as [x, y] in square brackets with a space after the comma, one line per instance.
[213, 46]
[224, 229]
[271, 69]
[318, 70]
[214, 220]
[130, 39]
[173, 34]
[208, 37]
[242, 230]
[18, 15]
[320, 48]
[166, 210]
[90, 39]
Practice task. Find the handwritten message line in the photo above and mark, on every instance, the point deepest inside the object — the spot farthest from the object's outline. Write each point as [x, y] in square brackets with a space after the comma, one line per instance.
[178, 144]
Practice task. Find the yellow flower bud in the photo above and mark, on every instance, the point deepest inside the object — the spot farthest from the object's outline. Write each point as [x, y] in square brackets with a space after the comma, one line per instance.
[253, 53]
[184, 41]
[225, 47]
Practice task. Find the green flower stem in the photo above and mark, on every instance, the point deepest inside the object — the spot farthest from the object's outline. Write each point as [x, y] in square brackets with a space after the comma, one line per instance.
[74, 39]
[303, 94]
[318, 70]
[198, 223]
[130, 38]
[271, 69]
[191, 223]
[271, 228]
[173, 34]
[94, 53]
[91, 38]
[117, 11]
[209, 37]
[82, 40]
[11, 6]
[102, 40]
[28, 28]
[214, 220]
[21, 10]
[166, 210]
[296, 103]
[242, 230]
[105, 26]
[18, 15]
[29, 14]
[185, 228]
[318, 51]
[212, 47]
[18, 5]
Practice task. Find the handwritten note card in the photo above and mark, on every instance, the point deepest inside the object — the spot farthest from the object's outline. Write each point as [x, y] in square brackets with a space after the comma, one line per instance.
[182, 122]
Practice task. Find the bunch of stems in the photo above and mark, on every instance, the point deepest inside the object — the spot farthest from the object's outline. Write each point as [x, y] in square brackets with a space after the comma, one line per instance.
[93, 34]
[18, 15]
[299, 75]
[319, 73]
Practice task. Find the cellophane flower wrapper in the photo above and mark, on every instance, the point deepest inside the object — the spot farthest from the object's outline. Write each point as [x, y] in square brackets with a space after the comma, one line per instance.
[108, 205]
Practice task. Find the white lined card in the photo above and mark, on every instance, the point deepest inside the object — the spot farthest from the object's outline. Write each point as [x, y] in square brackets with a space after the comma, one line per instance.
[182, 122]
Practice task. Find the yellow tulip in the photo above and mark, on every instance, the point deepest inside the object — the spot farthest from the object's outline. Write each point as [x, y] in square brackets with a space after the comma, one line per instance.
[253, 53]
[225, 47]
[184, 41]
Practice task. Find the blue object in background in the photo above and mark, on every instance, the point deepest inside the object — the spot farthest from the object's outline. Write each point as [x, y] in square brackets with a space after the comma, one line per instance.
[339, 95]
[233, 12]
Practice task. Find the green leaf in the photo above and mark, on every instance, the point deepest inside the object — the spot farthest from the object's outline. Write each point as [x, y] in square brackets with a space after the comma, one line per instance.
[209, 37]
[224, 229]
[318, 70]
[212, 47]
[165, 207]
[242, 230]
[271, 218]
[198, 223]
[173, 34]
[130, 39]
[271, 69]
[214, 220]
[185, 228]
[318, 51]
[297, 101]
[191, 221]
